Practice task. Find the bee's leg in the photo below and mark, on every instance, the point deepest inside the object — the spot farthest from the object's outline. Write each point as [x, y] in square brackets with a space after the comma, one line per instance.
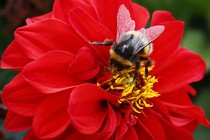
[137, 67]
[148, 63]
[105, 43]
[138, 64]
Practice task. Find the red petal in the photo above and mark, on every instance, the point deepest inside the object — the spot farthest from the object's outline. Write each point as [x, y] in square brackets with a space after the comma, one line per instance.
[109, 17]
[167, 44]
[47, 35]
[142, 132]
[173, 132]
[30, 136]
[125, 132]
[61, 8]
[160, 109]
[121, 130]
[15, 122]
[88, 108]
[151, 124]
[52, 118]
[76, 135]
[64, 136]
[85, 65]
[49, 73]
[190, 90]
[14, 57]
[19, 97]
[185, 67]
[179, 97]
[191, 112]
[159, 17]
[105, 133]
[38, 18]
[186, 123]
[130, 134]
[41, 36]
[110, 124]
[90, 30]
[141, 15]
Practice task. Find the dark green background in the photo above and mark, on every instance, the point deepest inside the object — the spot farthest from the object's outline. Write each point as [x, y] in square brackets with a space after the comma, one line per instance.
[195, 14]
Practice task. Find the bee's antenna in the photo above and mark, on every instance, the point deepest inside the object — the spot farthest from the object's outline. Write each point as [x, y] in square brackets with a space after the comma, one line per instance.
[105, 43]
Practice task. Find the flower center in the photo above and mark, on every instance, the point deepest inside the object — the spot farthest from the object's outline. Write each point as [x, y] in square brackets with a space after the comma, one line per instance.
[134, 93]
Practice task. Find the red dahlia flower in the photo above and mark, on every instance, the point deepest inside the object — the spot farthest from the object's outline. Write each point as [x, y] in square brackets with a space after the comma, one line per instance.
[66, 88]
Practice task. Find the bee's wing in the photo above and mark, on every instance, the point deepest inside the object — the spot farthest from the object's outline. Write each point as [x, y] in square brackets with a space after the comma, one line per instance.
[153, 32]
[124, 22]
[149, 34]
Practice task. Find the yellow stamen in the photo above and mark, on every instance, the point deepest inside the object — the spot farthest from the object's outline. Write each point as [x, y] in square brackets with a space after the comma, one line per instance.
[135, 92]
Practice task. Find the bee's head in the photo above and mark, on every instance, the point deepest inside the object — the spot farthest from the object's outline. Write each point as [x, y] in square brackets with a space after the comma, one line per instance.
[124, 47]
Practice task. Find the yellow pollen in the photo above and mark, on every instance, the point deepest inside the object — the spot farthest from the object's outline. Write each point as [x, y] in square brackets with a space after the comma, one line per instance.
[135, 92]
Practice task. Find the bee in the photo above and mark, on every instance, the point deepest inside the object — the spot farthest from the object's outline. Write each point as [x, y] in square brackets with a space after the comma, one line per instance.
[131, 46]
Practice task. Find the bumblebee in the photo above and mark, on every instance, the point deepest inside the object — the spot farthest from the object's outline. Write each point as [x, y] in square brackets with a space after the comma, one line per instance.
[132, 46]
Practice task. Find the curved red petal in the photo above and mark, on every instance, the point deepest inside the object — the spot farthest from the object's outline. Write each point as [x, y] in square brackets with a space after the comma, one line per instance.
[20, 98]
[180, 97]
[84, 66]
[15, 122]
[52, 117]
[173, 132]
[38, 18]
[110, 123]
[160, 109]
[190, 90]
[166, 44]
[186, 123]
[141, 16]
[61, 8]
[30, 136]
[88, 108]
[105, 133]
[159, 17]
[152, 124]
[49, 73]
[130, 134]
[14, 57]
[143, 132]
[190, 112]
[109, 17]
[95, 31]
[76, 135]
[121, 130]
[125, 132]
[185, 67]
[47, 35]
[64, 136]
